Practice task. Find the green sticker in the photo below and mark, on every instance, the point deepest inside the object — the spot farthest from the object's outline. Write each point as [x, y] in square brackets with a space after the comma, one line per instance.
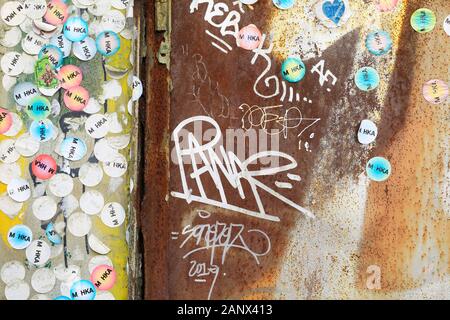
[45, 74]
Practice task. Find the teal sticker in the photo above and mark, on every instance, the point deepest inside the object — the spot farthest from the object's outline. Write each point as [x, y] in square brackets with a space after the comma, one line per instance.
[75, 29]
[52, 235]
[20, 237]
[378, 169]
[284, 4]
[42, 130]
[38, 108]
[108, 43]
[83, 290]
[293, 69]
[367, 79]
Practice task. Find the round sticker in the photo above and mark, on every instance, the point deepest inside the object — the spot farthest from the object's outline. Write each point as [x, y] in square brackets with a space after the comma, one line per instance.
[96, 261]
[91, 174]
[39, 108]
[38, 253]
[26, 145]
[18, 290]
[75, 29]
[423, 20]
[76, 98]
[16, 126]
[13, 13]
[12, 64]
[73, 149]
[52, 235]
[113, 215]
[333, 13]
[82, 290]
[62, 298]
[243, 1]
[137, 88]
[8, 152]
[43, 130]
[104, 277]
[116, 167]
[92, 202]
[20, 237]
[367, 79]
[249, 37]
[19, 190]
[12, 271]
[379, 43]
[25, 91]
[367, 132]
[53, 53]
[103, 151]
[44, 167]
[33, 43]
[61, 185]
[11, 37]
[35, 9]
[97, 126]
[9, 171]
[70, 76]
[6, 120]
[85, 50]
[378, 169]
[79, 224]
[57, 12]
[447, 25]
[435, 91]
[293, 69]
[108, 43]
[113, 20]
[43, 280]
[64, 44]
[386, 5]
[284, 4]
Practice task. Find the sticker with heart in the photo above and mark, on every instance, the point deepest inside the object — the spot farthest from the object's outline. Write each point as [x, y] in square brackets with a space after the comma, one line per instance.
[333, 13]
[334, 10]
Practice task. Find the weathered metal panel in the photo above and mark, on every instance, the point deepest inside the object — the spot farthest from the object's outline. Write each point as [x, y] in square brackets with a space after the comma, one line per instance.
[334, 234]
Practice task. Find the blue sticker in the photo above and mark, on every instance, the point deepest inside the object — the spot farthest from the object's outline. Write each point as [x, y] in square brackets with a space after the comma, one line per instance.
[367, 79]
[83, 290]
[43, 130]
[53, 53]
[20, 237]
[51, 234]
[334, 10]
[62, 298]
[75, 29]
[39, 108]
[284, 4]
[73, 149]
[378, 169]
[293, 69]
[379, 43]
[108, 43]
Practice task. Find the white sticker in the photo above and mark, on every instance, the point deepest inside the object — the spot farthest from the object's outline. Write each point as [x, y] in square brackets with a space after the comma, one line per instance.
[13, 13]
[447, 25]
[96, 245]
[91, 174]
[44, 208]
[10, 207]
[8, 152]
[96, 261]
[35, 9]
[18, 290]
[85, 50]
[19, 190]
[33, 43]
[97, 126]
[136, 86]
[68, 274]
[79, 224]
[100, 8]
[367, 132]
[93, 106]
[43, 280]
[11, 37]
[8, 172]
[12, 64]
[64, 44]
[121, 4]
[92, 202]
[16, 127]
[61, 185]
[103, 151]
[113, 20]
[116, 167]
[113, 215]
[38, 253]
[12, 271]
[26, 145]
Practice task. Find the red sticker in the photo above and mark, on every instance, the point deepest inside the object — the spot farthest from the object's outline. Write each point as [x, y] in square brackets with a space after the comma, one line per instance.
[44, 167]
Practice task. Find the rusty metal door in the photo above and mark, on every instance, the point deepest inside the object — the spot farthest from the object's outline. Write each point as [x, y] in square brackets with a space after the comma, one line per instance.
[256, 187]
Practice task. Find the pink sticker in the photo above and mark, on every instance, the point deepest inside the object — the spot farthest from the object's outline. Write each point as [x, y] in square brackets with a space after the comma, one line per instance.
[435, 91]
[387, 5]
[249, 37]
[6, 120]
[57, 12]
[76, 98]
[104, 277]
[70, 76]
[44, 167]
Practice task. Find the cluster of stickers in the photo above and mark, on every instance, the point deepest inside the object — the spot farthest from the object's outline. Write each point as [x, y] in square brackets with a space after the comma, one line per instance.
[333, 14]
[50, 44]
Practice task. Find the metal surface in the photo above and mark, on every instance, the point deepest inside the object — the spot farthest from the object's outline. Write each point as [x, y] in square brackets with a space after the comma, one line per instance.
[368, 239]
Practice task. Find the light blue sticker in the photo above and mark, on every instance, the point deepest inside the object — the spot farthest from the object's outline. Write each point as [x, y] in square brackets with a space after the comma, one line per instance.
[24, 92]
[53, 53]
[20, 237]
[378, 169]
[62, 298]
[284, 4]
[83, 290]
[293, 69]
[367, 79]
[42, 130]
[107, 43]
[51, 234]
[73, 149]
[75, 29]
[379, 43]
[38, 108]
